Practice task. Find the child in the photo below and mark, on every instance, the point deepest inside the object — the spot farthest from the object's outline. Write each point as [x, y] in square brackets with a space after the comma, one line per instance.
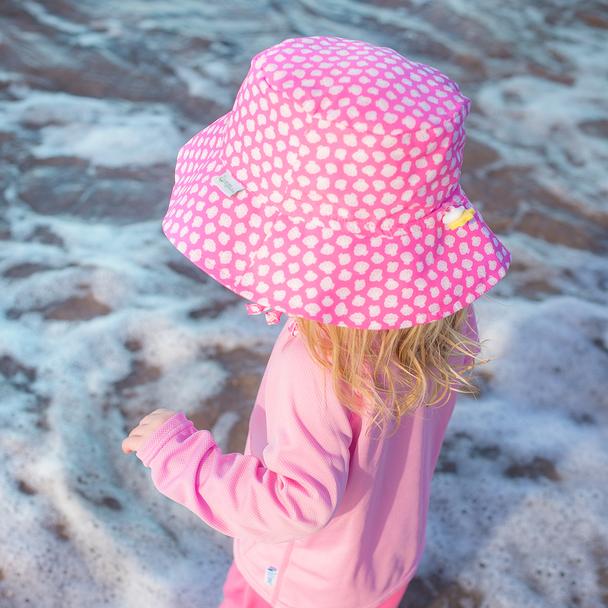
[331, 192]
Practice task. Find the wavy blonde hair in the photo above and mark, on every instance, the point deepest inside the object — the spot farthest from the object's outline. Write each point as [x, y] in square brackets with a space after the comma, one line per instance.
[418, 359]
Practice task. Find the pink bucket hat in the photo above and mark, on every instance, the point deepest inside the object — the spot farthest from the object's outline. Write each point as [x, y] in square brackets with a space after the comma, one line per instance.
[331, 190]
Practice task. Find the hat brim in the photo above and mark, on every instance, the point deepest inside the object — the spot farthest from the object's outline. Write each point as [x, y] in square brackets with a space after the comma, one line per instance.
[414, 273]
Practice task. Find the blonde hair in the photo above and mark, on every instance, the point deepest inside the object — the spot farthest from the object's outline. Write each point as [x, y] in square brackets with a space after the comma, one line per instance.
[417, 358]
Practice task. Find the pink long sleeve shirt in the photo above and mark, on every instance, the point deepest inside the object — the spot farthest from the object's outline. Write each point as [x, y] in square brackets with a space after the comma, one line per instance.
[321, 515]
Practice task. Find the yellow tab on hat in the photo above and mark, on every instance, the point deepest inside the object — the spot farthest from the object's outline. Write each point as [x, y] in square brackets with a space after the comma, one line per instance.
[457, 216]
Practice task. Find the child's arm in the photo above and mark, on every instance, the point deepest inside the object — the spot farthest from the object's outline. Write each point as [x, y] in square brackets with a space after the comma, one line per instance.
[295, 488]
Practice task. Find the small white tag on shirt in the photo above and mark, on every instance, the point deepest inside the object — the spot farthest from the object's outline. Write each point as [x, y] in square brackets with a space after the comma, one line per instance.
[271, 575]
[227, 183]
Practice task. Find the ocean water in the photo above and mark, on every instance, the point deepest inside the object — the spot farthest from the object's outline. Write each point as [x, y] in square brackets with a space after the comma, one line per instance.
[103, 321]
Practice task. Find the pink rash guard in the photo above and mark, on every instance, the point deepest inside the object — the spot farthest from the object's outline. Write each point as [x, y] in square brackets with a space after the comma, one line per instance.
[320, 514]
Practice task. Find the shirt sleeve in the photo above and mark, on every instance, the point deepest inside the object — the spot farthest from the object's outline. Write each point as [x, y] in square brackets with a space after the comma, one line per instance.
[296, 486]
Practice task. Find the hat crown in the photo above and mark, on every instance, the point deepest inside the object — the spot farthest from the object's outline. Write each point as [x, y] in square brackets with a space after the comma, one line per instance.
[370, 137]
[321, 75]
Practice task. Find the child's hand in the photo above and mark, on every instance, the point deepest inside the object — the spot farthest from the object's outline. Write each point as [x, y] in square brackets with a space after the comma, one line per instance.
[147, 425]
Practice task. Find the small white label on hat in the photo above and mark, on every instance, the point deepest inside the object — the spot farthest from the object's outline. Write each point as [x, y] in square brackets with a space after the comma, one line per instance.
[227, 183]
[270, 575]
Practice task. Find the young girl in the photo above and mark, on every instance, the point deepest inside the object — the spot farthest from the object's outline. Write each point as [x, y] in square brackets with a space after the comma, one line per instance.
[330, 192]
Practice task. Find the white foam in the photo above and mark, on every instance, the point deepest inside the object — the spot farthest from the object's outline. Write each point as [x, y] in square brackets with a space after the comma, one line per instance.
[542, 412]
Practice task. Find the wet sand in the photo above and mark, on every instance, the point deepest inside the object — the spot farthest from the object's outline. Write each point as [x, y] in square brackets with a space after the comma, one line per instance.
[104, 321]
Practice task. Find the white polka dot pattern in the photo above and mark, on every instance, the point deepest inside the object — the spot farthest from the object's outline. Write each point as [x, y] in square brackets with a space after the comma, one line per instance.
[350, 155]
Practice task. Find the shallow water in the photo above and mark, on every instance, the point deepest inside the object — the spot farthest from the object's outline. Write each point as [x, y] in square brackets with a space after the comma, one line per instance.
[103, 321]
